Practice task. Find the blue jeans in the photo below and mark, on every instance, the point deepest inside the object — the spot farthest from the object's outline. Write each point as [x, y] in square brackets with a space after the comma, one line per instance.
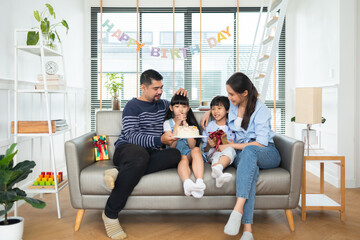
[248, 162]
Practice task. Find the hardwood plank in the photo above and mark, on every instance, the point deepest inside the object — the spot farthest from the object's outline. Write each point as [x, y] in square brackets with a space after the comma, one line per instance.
[193, 225]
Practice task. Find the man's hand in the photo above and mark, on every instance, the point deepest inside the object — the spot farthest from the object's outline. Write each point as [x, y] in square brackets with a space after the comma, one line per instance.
[182, 91]
[167, 138]
[211, 142]
[205, 119]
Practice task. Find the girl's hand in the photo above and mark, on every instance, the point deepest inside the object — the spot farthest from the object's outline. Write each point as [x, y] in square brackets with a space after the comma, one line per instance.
[211, 142]
[205, 119]
[180, 119]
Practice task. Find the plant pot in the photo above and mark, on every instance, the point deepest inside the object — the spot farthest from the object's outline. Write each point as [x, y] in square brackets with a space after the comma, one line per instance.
[13, 231]
[116, 103]
[48, 42]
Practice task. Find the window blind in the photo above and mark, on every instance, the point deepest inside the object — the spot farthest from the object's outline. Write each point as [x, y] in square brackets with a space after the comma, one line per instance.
[156, 31]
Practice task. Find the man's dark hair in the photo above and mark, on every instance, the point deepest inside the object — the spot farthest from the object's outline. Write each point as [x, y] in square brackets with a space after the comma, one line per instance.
[220, 101]
[149, 75]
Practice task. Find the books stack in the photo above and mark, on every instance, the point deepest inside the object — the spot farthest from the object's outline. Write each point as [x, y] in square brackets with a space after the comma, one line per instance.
[60, 124]
[54, 82]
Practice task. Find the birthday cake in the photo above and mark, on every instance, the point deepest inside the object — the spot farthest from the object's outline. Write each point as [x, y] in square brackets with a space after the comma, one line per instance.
[190, 131]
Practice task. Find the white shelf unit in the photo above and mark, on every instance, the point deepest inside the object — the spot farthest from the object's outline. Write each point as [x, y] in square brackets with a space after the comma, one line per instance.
[43, 52]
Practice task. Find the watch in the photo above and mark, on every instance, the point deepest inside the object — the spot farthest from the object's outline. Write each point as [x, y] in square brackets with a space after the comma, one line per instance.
[51, 67]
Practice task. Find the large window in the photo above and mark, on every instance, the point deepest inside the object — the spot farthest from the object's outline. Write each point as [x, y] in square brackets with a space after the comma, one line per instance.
[218, 62]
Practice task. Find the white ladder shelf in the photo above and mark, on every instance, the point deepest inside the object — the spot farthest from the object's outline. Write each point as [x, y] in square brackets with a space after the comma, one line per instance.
[43, 52]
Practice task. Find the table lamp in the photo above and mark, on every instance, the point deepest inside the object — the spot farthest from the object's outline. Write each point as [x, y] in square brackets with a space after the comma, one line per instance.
[308, 108]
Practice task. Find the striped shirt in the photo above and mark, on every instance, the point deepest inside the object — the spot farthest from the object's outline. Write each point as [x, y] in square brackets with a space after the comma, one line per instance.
[143, 123]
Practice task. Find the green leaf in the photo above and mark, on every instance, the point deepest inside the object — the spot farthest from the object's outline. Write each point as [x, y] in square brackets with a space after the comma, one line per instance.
[51, 9]
[35, 202]
[37, 15]
[32, 38]
[10, 149]
[4, 177]
[293, 119]
[52, 36]
[7, 209]
[57, 35]
[323, 120]
[7, 159]
[1, 157]
[9, 196]
[65, 24]
[17, 176]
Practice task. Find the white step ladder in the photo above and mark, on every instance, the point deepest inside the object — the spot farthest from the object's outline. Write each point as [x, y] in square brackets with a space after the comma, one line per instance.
[267, 46]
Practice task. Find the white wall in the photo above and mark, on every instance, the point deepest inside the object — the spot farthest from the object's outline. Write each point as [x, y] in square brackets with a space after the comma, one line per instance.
[357, 86]
[19, 14]
[321, 52]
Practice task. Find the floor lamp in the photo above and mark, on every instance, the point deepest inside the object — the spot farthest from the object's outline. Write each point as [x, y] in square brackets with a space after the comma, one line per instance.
[308, 109]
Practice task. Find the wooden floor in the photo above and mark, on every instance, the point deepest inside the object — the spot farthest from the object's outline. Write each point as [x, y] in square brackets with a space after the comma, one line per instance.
[184, 225]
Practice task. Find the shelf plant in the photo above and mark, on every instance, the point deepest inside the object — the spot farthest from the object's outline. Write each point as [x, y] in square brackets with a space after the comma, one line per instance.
[48, 29]
[9, 176]
[114, 84]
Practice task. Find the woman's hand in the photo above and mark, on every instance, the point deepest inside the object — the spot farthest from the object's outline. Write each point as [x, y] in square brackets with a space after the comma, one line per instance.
[222, 147]
[182, 92]
[205, 119]
[211, 142]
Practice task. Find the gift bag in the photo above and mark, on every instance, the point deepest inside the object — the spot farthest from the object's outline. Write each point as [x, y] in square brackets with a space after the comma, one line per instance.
[100, 147]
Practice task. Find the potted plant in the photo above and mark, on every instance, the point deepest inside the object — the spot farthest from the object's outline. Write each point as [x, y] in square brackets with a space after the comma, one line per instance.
[114, 83]
[11, 228]
[48, 30]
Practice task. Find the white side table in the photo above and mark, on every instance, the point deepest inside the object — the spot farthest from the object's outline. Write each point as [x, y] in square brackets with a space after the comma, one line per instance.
[321, 201]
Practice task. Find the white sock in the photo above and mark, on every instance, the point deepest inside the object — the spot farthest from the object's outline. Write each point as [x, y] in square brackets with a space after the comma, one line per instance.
[224, 178]
[197, 194]
[247, 236]
[217, 171]
[200, 184]
[232, 226]
[190, 186]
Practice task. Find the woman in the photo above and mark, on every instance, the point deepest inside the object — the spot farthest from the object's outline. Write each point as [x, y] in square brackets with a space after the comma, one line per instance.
[250, 119]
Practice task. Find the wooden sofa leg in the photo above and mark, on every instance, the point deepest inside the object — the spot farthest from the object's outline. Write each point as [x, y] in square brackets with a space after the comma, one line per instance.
[79, 217]
[290, 219]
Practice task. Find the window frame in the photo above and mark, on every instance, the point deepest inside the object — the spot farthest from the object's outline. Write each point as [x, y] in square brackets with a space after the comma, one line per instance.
[95, 103]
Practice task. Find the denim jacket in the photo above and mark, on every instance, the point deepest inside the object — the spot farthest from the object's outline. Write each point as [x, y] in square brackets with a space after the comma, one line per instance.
[259, 128]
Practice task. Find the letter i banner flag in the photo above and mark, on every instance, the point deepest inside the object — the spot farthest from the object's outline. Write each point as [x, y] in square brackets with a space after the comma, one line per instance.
[100, 147]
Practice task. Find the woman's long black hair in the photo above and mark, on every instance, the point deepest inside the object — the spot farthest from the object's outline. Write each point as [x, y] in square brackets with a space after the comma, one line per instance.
[239, 82]
[190, 117]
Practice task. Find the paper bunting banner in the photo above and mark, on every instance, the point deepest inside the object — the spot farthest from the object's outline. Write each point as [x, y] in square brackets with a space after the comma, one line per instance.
[166, 52]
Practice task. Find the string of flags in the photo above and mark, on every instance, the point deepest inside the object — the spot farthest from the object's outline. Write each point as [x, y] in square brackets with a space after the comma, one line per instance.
[177, 53]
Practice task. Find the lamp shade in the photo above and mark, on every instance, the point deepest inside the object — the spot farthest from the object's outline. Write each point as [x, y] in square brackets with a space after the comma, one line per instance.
[308, 105]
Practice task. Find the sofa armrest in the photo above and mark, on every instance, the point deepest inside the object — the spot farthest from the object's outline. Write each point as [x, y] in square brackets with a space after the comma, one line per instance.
[79, 154]
[292, 158]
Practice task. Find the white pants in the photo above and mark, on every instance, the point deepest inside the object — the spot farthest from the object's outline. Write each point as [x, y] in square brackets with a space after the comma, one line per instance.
[229, 152]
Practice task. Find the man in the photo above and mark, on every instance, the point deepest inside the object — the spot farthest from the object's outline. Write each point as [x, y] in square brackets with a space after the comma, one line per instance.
[138, 148]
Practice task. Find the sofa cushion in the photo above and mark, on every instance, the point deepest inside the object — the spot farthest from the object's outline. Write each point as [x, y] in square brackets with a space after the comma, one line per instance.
[272, 181]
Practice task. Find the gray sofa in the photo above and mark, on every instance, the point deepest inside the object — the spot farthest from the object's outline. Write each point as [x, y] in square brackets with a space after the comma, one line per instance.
[277, 188]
